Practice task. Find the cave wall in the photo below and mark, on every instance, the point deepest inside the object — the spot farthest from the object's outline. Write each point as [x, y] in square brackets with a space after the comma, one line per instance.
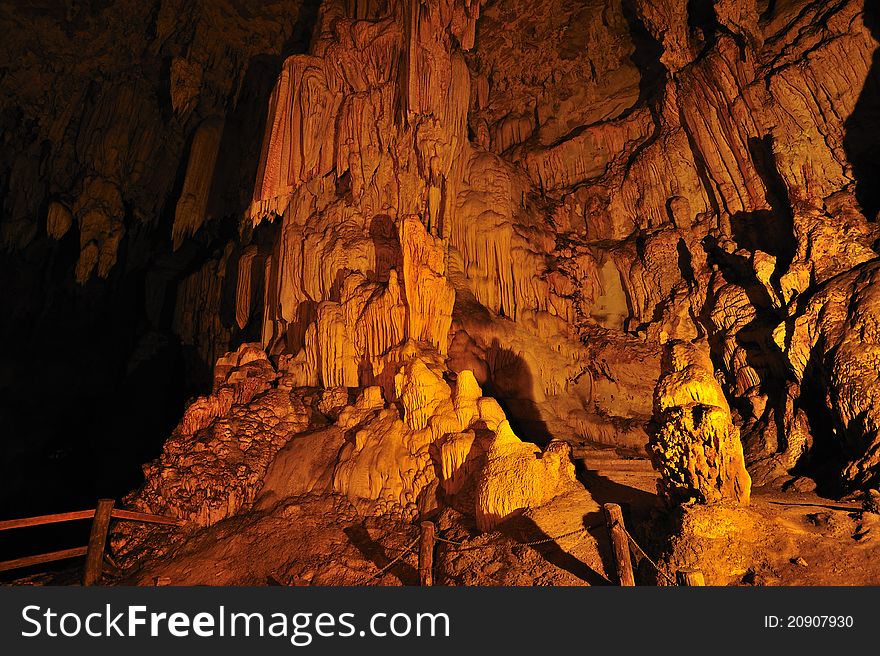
[605, 176]
[544, 194]
[129, 130]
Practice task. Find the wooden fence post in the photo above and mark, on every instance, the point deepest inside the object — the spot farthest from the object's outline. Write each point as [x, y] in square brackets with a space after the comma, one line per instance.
[426, 555]
[690, 577]
[97, 542]
[619, 543]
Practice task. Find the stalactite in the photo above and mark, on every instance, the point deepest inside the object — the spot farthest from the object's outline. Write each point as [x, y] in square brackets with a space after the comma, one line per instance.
[193, 202]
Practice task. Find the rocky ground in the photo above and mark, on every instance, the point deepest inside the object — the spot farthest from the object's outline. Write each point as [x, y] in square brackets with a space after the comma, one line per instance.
[319, 540]
[791, 538]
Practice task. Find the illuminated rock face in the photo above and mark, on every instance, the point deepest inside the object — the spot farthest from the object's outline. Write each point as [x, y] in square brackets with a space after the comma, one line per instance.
[837, 338]
[518, 475]
[397, 226]
[356, 160]
[452, 437]
[652, 176]
[215, 461]
[695, 447]
[255, 438]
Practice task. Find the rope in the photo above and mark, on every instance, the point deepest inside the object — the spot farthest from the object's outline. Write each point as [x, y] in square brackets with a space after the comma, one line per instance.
[579, 531]
[463, 546]
[385, 569]
[635, 544]
[558, 537]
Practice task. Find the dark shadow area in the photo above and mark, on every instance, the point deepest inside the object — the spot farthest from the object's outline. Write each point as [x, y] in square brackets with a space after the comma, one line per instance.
[523, 529]
[462, 483]
[389, 256]
[639, 511]
[768, 12]
[96, 375]
[376, 554]
[89, 392]
[705, 29]
[685, 262]
[862, 137]
[769, 231]
[772, 232]
[604, 490]
[702, 24]
[511, 383]
[240, 148]
[652, 74]
[646, 56]
[827, 506]
[827, 457]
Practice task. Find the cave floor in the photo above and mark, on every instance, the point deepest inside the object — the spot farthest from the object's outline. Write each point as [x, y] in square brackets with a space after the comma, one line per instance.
[803, 539]
[809, 539]
[818, 541]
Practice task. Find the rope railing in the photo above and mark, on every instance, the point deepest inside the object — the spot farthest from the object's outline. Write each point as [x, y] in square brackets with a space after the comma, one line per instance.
[533, 543]
[428, 545]
[391, 564]
[624, 548]
[635, 545]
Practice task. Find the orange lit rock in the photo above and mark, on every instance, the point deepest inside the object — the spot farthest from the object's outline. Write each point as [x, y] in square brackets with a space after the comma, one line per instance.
[99, 211]
[58, 221]
[518, 475]
[429, 296]
[215, 461]
[395, 458]
[695, 447]
[834, 339]
[193, 202]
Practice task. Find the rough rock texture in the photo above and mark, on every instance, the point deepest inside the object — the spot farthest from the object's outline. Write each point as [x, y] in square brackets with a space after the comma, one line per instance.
[518, 475]
[695, 446]
[556, 202]
[726, 542]
[109, 138]
[836, 338]
[396, 225]
[215, 461]
[453, 214]
[313, 539]
[258, 436]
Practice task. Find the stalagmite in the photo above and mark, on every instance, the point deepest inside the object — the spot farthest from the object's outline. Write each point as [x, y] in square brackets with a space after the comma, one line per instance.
[478, 242]
[519, 475]
[695, 447]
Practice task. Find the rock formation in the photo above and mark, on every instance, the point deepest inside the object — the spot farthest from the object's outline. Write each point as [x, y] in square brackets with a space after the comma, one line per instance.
[663, 180]
[835, 338]
[128, 127]
[256, 436]
[695, 446]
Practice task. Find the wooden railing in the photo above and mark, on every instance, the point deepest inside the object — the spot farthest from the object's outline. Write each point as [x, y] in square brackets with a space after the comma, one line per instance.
[94, 551]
